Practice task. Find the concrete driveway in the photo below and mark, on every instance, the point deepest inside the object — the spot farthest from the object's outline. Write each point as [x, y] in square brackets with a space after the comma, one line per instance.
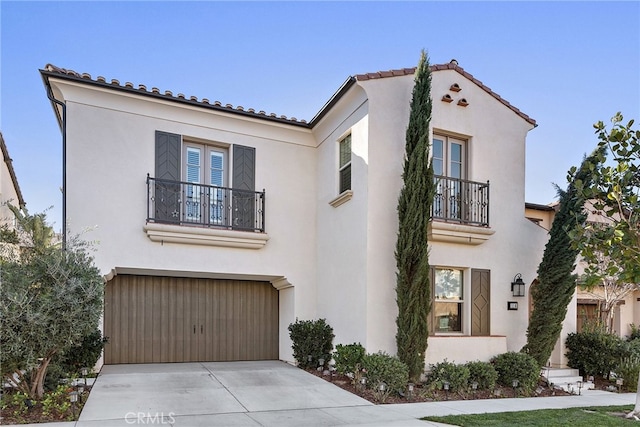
[263, 393]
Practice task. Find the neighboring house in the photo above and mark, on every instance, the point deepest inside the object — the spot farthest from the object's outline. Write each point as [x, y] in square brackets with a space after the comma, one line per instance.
[9, 194]
[218, 226]
[9, 188]
[587, 304]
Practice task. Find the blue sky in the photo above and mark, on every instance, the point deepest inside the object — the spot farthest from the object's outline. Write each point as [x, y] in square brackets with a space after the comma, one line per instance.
[566, 64]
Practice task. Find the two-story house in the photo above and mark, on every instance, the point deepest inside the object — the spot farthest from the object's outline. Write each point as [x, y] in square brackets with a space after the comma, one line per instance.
[218, 226]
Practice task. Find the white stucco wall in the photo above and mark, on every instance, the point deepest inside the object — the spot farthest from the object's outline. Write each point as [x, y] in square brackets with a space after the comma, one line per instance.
[342, 231]
[110, 150]
[339, 260]
[496, 152]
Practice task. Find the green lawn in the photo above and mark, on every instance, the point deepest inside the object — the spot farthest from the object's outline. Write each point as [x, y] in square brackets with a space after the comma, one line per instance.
[602, 416]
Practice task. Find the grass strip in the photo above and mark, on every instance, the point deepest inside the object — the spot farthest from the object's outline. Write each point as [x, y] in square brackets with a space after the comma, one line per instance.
[601, 416]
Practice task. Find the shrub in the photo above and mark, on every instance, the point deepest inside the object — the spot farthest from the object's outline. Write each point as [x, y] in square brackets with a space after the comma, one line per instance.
[628, 369]
[635, 332]
[84, 355]
[483, 373]
[311, 338]
[70, 364]
[382, 368]
[595, 353]
[456, 375]
[632, 348]
[348, 358]
[512, 366]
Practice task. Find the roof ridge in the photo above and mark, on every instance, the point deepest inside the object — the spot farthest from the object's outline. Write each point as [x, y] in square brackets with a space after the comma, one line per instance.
[50, 68]
[452, 65]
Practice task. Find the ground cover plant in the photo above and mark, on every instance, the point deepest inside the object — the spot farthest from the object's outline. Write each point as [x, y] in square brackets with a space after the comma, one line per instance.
[576, 417]
[54, 406]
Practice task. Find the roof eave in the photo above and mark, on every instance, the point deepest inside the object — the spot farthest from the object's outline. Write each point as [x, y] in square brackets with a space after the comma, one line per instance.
[46, 75]
[453, 65]
[333, 101]
[12, 172]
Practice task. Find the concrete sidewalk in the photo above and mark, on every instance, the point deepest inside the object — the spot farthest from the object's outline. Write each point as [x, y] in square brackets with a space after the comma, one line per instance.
[271, 394]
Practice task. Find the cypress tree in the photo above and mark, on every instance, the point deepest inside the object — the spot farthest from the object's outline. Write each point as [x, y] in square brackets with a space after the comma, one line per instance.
[557, 283]
[413, 288]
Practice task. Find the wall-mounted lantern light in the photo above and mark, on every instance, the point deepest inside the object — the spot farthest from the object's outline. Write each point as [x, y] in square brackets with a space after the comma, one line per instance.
[517, 286]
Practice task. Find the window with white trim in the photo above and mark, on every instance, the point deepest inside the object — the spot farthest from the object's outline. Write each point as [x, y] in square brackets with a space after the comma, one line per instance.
[449, 157]
[344, 166]
[448, 300]
[449, 161]
[205, 171]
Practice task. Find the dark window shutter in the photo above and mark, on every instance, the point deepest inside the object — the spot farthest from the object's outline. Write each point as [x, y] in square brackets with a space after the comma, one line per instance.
[167, 194]
[480, 302]
[244, 168]
[167, 156]
[244, 183]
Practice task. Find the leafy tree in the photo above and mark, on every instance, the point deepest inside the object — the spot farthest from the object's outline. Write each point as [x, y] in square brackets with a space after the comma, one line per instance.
[33, 233]
[50, 299]
[557, 283]
[614, 192]
[413, 289]
[610, 245]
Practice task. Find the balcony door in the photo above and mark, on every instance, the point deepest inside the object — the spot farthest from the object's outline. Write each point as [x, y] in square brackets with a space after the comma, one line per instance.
[449, 161]
[205, 198]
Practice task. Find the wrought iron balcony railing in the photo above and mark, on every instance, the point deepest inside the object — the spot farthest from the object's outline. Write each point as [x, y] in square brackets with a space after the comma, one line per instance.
[461, 201]
[186, 203]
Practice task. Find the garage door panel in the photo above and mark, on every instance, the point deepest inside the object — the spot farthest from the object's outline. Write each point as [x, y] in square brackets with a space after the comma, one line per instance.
[155, 319]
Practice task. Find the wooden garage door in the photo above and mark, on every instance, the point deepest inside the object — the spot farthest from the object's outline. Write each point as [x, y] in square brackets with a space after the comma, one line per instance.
[168, 319]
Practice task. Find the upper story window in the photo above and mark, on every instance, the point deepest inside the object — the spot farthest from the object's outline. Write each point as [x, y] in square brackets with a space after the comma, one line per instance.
[204, 169]
[207, 185]
[449, 157]
[345, 164]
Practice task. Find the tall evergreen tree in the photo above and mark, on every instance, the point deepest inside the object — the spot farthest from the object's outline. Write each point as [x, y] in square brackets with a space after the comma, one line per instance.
[557, 283]
[413, 289]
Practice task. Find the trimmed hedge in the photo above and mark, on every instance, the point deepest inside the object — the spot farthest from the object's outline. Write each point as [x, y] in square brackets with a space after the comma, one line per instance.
[456, 375]
[348, 358]
[382, 368]
[483, 373]
[517, 366]
[595, 353]
[311, 338]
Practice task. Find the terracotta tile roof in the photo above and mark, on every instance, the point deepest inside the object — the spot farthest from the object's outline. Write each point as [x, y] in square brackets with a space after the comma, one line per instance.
[453, 65]
[52, 70]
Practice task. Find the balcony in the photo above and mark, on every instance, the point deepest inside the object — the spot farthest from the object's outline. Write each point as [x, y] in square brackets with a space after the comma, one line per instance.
[186, 203]
[460, 211]
[184, 212]
[461, 201]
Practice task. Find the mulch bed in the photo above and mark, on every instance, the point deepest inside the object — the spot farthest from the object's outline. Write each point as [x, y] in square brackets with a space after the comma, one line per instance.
[423, 394]
[22, 414]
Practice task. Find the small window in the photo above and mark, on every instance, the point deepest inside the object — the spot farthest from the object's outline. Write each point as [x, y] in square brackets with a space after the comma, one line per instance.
[448, 300]
[345, 164]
